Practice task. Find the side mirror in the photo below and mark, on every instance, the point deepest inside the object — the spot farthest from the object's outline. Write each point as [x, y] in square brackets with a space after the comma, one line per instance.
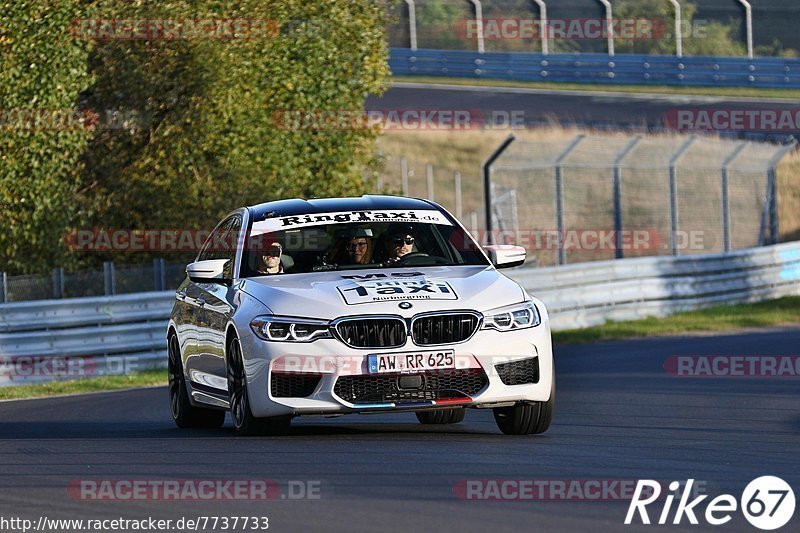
[209, 271]
[506, 255]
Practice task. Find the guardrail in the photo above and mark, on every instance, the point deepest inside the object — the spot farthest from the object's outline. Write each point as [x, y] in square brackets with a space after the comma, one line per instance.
[82, 337]
[761, 72]
[45, 340]
[589, 294]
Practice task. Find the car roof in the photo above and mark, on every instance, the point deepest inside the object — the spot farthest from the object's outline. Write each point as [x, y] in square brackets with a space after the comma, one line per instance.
[297, 206]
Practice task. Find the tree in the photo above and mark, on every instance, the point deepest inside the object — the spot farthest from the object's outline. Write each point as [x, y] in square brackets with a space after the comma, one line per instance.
[699, 37]
[42, 135]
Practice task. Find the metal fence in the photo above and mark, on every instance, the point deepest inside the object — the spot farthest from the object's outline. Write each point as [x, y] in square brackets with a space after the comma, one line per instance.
[764, 27]
[460, 192]
[671, 195]
[112, 279]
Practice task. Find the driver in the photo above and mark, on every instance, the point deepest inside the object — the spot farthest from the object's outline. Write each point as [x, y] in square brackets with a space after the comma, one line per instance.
[400, 241]
[270, 262]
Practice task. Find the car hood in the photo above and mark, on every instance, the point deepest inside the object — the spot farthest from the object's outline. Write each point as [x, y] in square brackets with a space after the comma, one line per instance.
[329, 295]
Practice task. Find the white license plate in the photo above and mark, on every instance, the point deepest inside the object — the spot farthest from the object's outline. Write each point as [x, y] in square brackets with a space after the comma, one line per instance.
[411, 362]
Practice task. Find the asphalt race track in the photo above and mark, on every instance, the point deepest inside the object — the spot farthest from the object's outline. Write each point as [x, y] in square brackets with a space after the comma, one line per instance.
[619, 416]
[580, 108]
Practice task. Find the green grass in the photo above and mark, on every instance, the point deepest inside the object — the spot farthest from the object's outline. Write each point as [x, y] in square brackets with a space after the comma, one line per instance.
[652, 89]
[145, 378]
[779, 312]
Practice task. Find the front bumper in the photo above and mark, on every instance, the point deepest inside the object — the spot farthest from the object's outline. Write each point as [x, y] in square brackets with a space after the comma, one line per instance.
[331, 359]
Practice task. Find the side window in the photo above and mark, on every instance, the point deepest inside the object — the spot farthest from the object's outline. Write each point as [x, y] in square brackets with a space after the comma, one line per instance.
[215, 246]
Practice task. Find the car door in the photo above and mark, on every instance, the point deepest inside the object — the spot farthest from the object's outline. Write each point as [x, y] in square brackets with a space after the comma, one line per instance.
[215, 309]
[200, 364]
[185, 318]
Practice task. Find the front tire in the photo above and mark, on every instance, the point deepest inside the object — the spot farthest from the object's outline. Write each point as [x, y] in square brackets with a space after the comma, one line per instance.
[184, 413]
[527, 418]
[442, 416]
[244, 421]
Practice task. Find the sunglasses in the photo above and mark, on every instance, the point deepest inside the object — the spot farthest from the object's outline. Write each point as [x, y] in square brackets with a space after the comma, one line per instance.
[359, 245]
[400, 240]
[273, 252]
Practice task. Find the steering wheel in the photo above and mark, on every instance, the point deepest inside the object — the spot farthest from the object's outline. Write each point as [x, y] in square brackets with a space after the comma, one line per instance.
[412, 257]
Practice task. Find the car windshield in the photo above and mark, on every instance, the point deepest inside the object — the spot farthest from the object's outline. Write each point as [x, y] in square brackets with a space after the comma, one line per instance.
[356, 239]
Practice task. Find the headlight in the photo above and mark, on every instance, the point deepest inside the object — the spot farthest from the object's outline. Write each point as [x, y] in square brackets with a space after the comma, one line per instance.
[512, 317]
[288, 329]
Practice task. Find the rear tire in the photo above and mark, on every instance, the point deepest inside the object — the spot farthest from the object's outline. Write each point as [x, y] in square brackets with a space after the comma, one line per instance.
[527, 418]
[184, 413]
[442, 416]
[244, 421]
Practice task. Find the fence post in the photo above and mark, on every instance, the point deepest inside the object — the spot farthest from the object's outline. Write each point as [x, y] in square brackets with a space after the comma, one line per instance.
[457, 185]
[412, 24]
[726, 198]
[109, 281]
[678, 28]
[609, 25]
[559, 177]
[4, 292]
[772, 177]
[58, 282]
[159, 278]
[479, 23]
[673, 191]
[473, 223]
[487, 184]
[404, 175]
[618, 195]
[429, 175]
[748, 20]
[543, 26]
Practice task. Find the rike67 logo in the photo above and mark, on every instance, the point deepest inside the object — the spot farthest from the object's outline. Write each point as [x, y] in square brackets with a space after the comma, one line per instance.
[767, 503]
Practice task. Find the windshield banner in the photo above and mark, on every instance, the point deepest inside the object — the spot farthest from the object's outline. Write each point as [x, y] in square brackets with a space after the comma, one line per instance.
[414, 216]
